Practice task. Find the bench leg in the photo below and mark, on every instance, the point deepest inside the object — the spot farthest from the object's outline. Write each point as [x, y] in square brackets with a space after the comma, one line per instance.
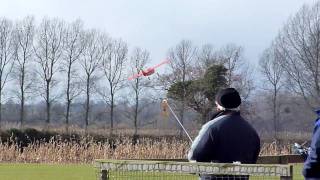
[104, 175]
[288, 177]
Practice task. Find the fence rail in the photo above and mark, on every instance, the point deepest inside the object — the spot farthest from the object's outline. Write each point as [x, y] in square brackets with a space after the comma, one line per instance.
[154, 168]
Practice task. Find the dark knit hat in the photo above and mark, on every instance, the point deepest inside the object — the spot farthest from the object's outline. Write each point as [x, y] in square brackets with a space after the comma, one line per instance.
[228, 98]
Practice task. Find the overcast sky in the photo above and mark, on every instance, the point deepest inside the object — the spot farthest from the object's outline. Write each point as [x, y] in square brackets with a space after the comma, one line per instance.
[159, 25]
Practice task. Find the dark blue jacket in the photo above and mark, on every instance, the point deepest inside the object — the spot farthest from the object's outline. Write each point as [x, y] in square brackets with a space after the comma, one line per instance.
[311, 169]
[226, 139]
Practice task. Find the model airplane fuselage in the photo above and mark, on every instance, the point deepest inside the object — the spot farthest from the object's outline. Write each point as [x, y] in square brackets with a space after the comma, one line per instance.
[149, 71]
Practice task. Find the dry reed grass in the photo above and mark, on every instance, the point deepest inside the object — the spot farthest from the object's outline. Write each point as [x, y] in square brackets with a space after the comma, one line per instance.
[86, 150]
[268, 149]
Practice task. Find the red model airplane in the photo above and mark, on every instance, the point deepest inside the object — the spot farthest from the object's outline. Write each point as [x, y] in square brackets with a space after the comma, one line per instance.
[148, 71]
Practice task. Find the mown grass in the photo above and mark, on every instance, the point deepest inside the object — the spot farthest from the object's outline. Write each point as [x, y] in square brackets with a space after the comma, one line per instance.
[297, 172]
[88, 172]
[47, 172]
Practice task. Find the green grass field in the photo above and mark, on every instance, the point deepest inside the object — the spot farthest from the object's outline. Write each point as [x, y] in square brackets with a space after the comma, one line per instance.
[47, 172]
[72, 172]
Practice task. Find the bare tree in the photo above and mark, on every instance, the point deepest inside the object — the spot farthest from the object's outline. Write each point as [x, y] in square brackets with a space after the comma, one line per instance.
[48, 50]
[23, 54]
[239, 72]
[73, 48]
[207, 56]
[138, 61]
[182, 58]
[273, 73]
[90, 61]
[231, 58]
[112, 65]
[6, 55]
[299, 45]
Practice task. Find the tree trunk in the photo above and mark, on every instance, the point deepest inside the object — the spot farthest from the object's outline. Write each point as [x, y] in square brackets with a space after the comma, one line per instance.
[181, 116]
[48, 104]
[87, 104]
[136, 114]
[68, 97]
[67, 116]
[0, 109]
[275, 119]
[22, 100]
[229, 76]
[111, 113]
[22, 110]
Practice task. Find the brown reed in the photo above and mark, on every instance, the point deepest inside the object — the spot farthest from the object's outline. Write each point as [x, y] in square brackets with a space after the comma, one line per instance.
[86, 150]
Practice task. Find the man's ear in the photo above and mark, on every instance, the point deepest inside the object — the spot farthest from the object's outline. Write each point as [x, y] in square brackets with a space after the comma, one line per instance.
[219, 108]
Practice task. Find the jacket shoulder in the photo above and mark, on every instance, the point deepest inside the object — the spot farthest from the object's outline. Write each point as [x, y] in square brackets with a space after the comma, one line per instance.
[214, 122]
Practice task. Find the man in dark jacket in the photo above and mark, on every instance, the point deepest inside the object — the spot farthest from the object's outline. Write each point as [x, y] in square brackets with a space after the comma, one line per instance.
[227, 138]
[311, 169]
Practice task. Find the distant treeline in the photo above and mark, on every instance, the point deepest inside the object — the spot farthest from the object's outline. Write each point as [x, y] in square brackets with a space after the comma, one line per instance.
[60, 73]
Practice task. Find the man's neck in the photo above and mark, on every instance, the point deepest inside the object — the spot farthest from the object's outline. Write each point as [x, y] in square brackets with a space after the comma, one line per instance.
[230, 111]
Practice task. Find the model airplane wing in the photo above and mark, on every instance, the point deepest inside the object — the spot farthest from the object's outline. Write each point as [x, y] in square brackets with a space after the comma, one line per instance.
[135, 76]
[160, 64]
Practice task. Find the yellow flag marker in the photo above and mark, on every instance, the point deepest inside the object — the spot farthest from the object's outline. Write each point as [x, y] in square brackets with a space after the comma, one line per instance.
[164, 109]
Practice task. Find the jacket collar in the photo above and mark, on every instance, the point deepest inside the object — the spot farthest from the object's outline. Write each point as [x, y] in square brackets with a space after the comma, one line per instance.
[225, 112]
[317, 122]
[230, 112]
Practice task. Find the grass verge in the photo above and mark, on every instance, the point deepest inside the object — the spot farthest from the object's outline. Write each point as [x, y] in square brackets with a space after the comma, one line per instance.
[20, 171]
[46, 172]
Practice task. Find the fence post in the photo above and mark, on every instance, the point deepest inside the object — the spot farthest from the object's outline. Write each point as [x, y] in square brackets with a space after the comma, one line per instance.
[104, 175]
[288, 177]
